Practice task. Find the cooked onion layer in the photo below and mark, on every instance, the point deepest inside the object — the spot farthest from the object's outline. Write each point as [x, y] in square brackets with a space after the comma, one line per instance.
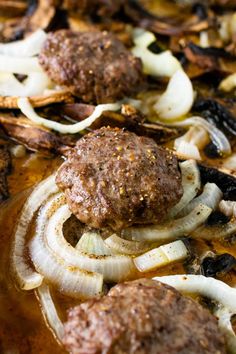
[163, 64]
[191, 184]
[29, 112]
[26, 276]
[49, 311]
[178, 98]
[161, 256]
[215, 232]
[172, 229]
[71, 280]
[120, 245]
[113, 268]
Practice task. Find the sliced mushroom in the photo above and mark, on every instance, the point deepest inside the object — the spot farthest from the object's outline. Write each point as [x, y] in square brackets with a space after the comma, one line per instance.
[5, 164]
[38, 101]
[34, 137]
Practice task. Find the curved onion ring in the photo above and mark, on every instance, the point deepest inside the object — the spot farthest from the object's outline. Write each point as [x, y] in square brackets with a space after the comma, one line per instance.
[199, 284]
[215, 232]
[113, 268]
[172, 229]
[27, 278]
[210, 196]
[27, 47]
[191, 184]
[178, 98]
[29, 112]
[71, 280]
[49, 311]
[120, 245]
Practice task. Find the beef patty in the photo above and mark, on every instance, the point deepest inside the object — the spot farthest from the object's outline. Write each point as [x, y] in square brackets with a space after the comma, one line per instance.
[114, 178]
[142, 317]
[95, 66]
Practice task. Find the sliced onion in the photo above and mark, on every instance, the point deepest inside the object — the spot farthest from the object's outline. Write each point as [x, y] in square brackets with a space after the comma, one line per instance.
[218, 138]
[191, 184]
[92, 243]
[161, 256]
[70, 280]
[34, 85]
[210, 196]
[172, 229]
[228, 207]
[204, 39]
[28, 111]
[215, 232]
[113, 268]
[188, 151]
[49, 311]
[122, 246]
[229, 83]
[230, 162]
[18, 65]
[27, 47]
[26, 276]
[211, 288]
[163, 64]
[225, 325]
[178, 98]
[189, 144]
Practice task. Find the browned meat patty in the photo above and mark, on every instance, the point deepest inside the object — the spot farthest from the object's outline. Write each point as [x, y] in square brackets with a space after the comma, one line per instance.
[95, 66]
[94, 7]
[114, 178]
[142, 317]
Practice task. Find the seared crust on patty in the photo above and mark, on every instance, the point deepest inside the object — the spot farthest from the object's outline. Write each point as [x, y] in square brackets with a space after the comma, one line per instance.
[95, 66]
[114, 178]
[142, 317]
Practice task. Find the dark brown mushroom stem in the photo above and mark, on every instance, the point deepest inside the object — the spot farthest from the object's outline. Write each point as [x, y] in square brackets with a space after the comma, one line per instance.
[5, 165]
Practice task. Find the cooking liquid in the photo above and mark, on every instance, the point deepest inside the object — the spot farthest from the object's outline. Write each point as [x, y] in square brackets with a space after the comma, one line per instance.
[22, 326]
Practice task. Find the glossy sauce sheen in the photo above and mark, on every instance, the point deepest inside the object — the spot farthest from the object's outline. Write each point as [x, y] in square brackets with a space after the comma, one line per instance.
[22, 326]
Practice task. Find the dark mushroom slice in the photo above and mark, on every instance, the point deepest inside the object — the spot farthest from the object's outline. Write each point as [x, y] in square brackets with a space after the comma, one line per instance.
[95, 66]
[129, 118]
[102, 8]
[34, 137]
[217, 265]
[225, 181]
[5, 164]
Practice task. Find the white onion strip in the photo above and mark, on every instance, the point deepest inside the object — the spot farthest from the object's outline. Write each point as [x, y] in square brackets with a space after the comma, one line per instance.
[27, 278]
[225, 325]
[172, 229]
[92, 243]
[122, 246]
[70, 280]
[178, 98]
[211, 288]
[210, 196]
[27, 47]
[33, 85]
[163, 64]
[217, 136]
[228, 207]
[191, 184]
[161, 256]
[113, 268]
[29, 112]
[23, 66]
[49, 311]
[215, 232]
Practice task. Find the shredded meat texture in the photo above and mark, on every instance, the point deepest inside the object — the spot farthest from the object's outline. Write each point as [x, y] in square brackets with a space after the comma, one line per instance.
[95, 66]
[142, 317]
[114, 178]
